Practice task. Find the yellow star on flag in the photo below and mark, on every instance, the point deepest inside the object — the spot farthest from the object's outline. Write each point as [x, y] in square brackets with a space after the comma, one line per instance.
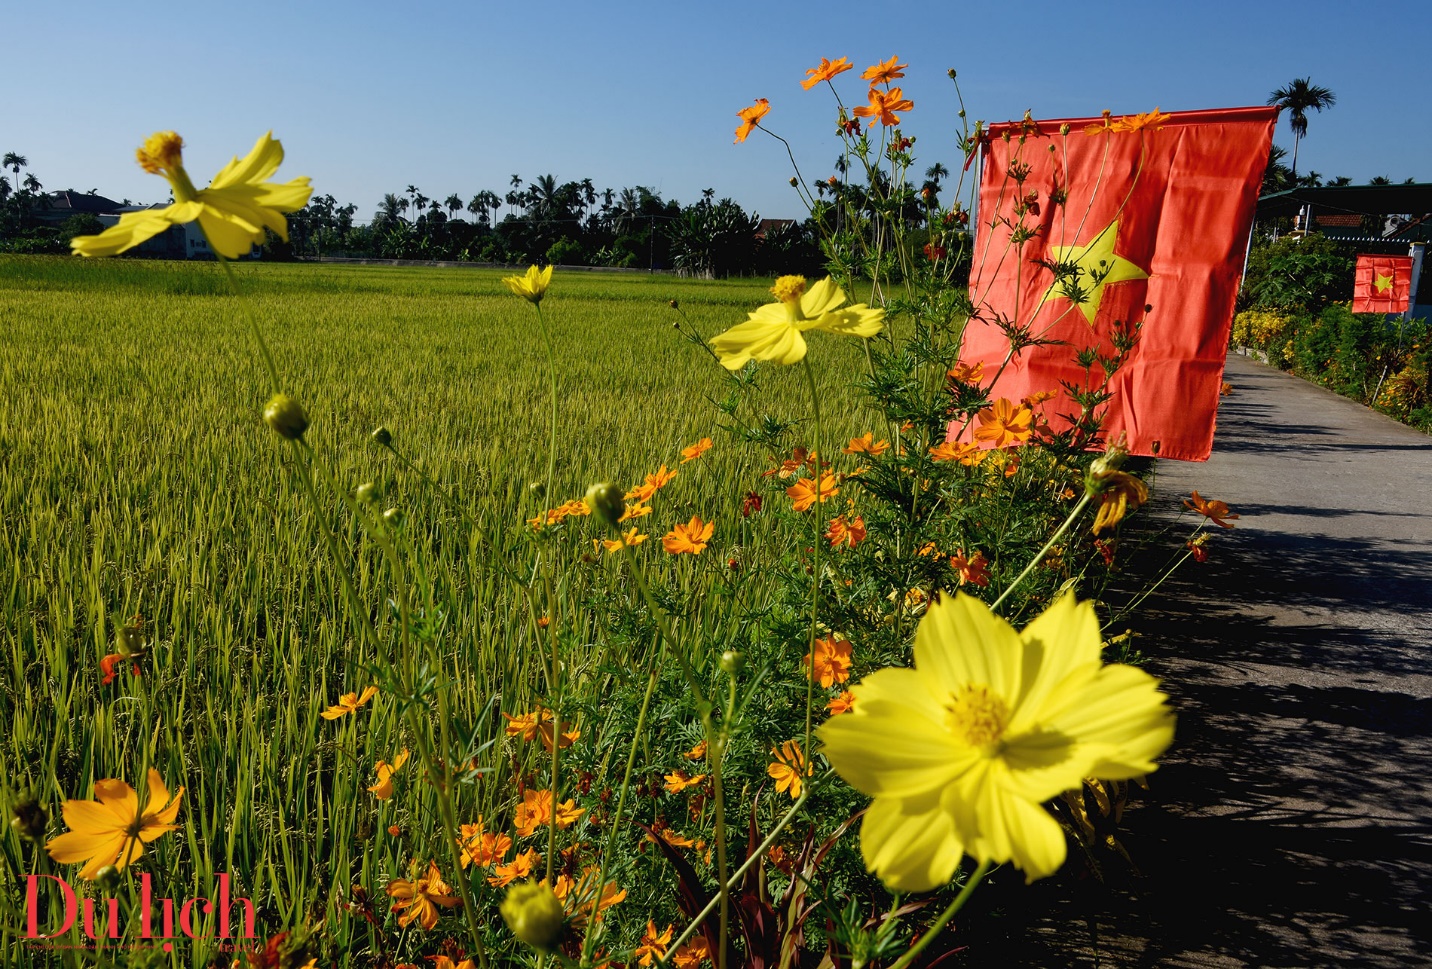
[1382, 283]
[1096, 266]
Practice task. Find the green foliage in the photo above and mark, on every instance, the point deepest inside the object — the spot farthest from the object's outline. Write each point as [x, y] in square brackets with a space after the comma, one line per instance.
[1297, 273]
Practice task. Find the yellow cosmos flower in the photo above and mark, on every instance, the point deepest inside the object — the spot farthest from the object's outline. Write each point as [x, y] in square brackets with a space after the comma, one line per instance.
[532, 286]
[233, 211]
[421, 897]
[790, 768]
[384, 788]
[112, 830]
[960, 752]
[349, 703]
[773, 332]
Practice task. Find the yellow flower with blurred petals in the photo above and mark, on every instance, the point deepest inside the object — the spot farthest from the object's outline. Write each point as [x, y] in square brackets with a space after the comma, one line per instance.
[349, 703]
[384, 788]
[532, 286]
[960, 752]
[773, 332]
[111, 830]
[233, 211]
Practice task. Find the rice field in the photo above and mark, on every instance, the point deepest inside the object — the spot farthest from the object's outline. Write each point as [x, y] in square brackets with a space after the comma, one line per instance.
[139, 487]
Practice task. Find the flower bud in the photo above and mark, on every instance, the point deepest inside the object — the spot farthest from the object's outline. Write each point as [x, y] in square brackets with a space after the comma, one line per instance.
[29, 819]
[368, 493]
[382, 437]
[794, 183]
[107, 878]
[951, 72]
[731, 661]
[536, 488]
[393, 517]
[286, 417]
[606, 502]
[535, 915]
[674, 305]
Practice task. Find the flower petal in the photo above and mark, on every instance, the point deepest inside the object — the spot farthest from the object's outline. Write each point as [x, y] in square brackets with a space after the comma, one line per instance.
[910, 843]
[261, 162]
[895, 742]
[132, 229]
[1061, 655]
[1123, 718]
[1013, 829]
[759, 340]
[821, 298]
[960, 643]
[859, 320]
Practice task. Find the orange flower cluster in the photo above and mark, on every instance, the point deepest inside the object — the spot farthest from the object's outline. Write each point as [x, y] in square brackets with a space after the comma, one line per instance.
[652, 484]
[535, 812]
[846, 533]
[580, 897]
[1005, 423]
[482, 848]
[552, 516]
[539, 722]
[841, 704]
[677, 781]
[522, 866]
[967, 454]
[866, 445]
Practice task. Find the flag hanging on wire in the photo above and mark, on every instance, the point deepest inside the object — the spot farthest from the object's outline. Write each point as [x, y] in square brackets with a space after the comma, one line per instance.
[1382, 284]
[1115, 243]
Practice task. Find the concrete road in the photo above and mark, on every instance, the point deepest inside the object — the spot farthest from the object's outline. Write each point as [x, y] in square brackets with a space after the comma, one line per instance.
[1291, 824]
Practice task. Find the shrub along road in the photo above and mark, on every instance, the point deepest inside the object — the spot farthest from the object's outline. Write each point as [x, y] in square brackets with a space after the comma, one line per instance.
[1292, 822]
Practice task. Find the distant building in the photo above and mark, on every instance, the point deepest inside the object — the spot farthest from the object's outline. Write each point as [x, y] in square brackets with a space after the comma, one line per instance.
[177, 242]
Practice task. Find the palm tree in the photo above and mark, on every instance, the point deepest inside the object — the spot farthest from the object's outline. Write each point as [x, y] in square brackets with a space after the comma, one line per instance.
[15, 162]
[453, 203]
[1297, 97]
[32, 184]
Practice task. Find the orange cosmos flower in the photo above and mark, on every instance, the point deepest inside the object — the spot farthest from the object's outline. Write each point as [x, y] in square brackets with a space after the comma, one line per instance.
[804, 491]
[1198, 547]
[692, 954]
[677, 781]
[827, 70]
[108, 664]
[973, 569]
[635, 510]
[866, 445]
[631, 538]
[883, 105]
[790, 768]
[653, 484]
[690, 538]
[579, 897]
[696, 450]
[1005, 423]
[421, 897]
[954, 451]
[535, 812]
[884, 72]
[1149, 121]
[349, 703]
[1103, 125]
[832, 661]
[384, 788]
[751, 118]
[653, 944]
[846, 533]
[521, 867]
[841, 704]
[112, 829]
[1039, 397]
[1214, 511]
[1121, 493]
[696, 753]
[481, 847]
[529, 726]
[967, 374]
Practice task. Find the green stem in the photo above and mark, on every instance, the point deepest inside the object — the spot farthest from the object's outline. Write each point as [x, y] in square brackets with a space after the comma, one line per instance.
[253, 323]
[815, 569]
[1083, 502]
[945, 917]
[590, 940]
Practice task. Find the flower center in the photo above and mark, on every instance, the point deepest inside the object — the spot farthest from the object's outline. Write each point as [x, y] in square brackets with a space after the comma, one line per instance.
[976, 716]
[789, 290]
[162, 152]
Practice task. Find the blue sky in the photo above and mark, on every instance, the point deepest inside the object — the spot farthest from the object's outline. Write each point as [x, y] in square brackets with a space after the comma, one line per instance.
[457, 97]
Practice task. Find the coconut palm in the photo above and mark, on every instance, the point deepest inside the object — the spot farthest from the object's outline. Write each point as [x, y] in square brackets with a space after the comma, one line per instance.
[15, 162]
[453, 204]
[32, 184]
[1297, 97]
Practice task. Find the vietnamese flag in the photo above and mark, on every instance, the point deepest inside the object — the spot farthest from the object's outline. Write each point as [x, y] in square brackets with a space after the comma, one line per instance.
[1090, 227]
[1382, 284]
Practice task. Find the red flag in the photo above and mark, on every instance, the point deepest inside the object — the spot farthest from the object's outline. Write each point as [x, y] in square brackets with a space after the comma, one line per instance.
[1089, 229]
[1382, 284]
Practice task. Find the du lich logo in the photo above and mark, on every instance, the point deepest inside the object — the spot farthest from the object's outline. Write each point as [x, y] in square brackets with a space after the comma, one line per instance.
[216, 913]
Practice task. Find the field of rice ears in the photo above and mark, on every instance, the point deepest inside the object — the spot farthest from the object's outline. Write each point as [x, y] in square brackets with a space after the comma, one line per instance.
[137, 479]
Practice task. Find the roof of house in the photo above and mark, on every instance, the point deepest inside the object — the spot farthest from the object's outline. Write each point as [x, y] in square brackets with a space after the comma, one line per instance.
[1415, 199]
[75, 202]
